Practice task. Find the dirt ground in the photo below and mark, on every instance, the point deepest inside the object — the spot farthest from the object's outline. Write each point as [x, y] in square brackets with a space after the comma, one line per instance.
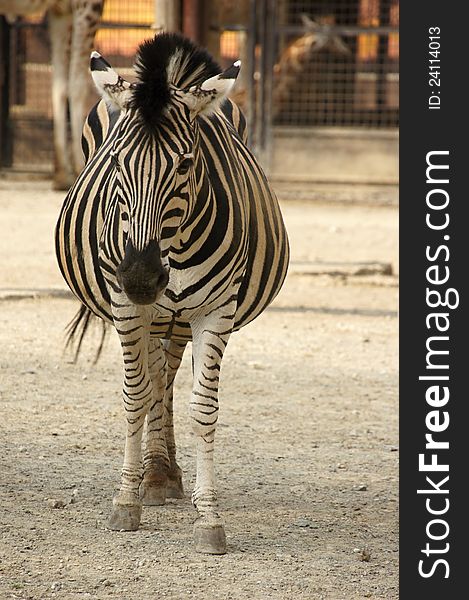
[306, 446]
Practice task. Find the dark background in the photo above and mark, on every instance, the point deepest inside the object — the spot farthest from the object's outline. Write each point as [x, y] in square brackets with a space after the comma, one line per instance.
[423, 130]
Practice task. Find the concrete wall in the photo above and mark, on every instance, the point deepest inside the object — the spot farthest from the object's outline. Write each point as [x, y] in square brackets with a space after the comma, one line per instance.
[334, 155]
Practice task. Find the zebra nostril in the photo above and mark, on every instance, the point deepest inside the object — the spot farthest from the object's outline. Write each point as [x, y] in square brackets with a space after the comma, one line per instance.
[163, 279]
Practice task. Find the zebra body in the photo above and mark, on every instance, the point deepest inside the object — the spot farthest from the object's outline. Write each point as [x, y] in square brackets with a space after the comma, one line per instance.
[171, 233]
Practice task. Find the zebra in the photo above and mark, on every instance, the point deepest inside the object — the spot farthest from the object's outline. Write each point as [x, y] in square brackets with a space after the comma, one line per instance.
[172, 234]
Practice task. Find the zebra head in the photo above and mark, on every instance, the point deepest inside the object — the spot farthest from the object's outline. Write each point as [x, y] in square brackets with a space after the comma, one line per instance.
[155, 150]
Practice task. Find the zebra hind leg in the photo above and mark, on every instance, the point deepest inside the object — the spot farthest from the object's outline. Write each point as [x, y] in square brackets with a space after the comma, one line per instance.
[159, 481]
[174, 351]
[156, 463]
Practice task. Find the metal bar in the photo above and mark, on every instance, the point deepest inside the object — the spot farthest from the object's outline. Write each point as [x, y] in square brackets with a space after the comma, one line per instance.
[382, 58]
[270, 44]
[102, 25]
[17, 59]
[229, 27]
[114, 25]
[192, 19]
[260, 124]
[251, 67]
[349, 30]
[283, 29]
[5, 131]
[300, 29]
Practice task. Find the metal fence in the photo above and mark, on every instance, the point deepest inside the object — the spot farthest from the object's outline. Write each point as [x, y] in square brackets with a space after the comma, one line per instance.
[124, 25]
[316, 63]
[347, 53]
[307, 64]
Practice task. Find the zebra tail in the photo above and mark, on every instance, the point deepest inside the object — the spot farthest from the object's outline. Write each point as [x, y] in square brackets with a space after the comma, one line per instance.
[77, 329]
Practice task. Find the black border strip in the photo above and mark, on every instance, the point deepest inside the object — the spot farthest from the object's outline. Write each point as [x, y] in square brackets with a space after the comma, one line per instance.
[424, 130]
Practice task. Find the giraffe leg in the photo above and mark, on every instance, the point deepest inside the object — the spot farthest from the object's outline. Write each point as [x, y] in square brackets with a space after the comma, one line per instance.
[208, 347]
[59, 29]
[156, 462]
[174, 351]
[86, 16]
[132, 324]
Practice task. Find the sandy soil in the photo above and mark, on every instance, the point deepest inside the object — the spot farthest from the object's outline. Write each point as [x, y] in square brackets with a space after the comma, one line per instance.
[307, 439]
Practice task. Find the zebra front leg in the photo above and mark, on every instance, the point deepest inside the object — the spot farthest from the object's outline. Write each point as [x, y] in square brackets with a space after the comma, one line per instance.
[174, 351]
[132, 327]
[156, 461]
[208, 348]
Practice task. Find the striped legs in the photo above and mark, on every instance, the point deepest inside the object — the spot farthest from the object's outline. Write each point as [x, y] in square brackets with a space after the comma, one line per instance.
[208, 348]
[174, 352]
[162, 475]
[155, 459]
[149, 371]
[132, 325]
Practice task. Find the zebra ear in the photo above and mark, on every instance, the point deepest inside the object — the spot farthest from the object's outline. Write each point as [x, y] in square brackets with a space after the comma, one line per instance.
[115, 91]
[205, 97]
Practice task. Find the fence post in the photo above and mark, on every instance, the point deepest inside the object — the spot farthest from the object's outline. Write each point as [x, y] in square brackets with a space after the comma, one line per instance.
[5, 133]
[250, 79]
[192, 19]
[167, 15]
[263, 122]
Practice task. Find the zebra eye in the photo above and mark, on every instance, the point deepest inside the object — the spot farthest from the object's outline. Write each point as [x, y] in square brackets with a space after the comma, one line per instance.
[185, 164]
[125, 222]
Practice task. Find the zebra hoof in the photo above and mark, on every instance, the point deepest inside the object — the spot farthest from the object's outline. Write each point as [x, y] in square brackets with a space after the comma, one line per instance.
[153, 495]
[125, 517]
[209, 538]
[175, 488]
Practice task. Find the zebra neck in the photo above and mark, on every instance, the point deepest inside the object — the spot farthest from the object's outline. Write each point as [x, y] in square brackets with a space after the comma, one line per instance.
[196, 225]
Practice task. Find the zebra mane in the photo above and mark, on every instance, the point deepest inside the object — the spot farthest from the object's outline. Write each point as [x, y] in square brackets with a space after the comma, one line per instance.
[166, 60]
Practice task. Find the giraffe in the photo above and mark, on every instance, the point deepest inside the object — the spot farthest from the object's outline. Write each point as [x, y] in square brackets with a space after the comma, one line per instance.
[72, 27]
[318, 36]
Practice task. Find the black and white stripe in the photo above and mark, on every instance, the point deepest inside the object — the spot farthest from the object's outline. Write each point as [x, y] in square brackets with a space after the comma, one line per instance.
[172, 233]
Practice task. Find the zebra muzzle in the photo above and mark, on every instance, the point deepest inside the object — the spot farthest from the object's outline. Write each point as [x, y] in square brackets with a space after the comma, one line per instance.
[141, 274]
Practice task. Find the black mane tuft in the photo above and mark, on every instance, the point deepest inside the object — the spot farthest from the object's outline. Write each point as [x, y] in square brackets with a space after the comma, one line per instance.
[166, 60]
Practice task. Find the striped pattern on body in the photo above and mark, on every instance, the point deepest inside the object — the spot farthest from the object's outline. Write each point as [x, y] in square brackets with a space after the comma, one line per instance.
[172, 233]
[81, 220]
